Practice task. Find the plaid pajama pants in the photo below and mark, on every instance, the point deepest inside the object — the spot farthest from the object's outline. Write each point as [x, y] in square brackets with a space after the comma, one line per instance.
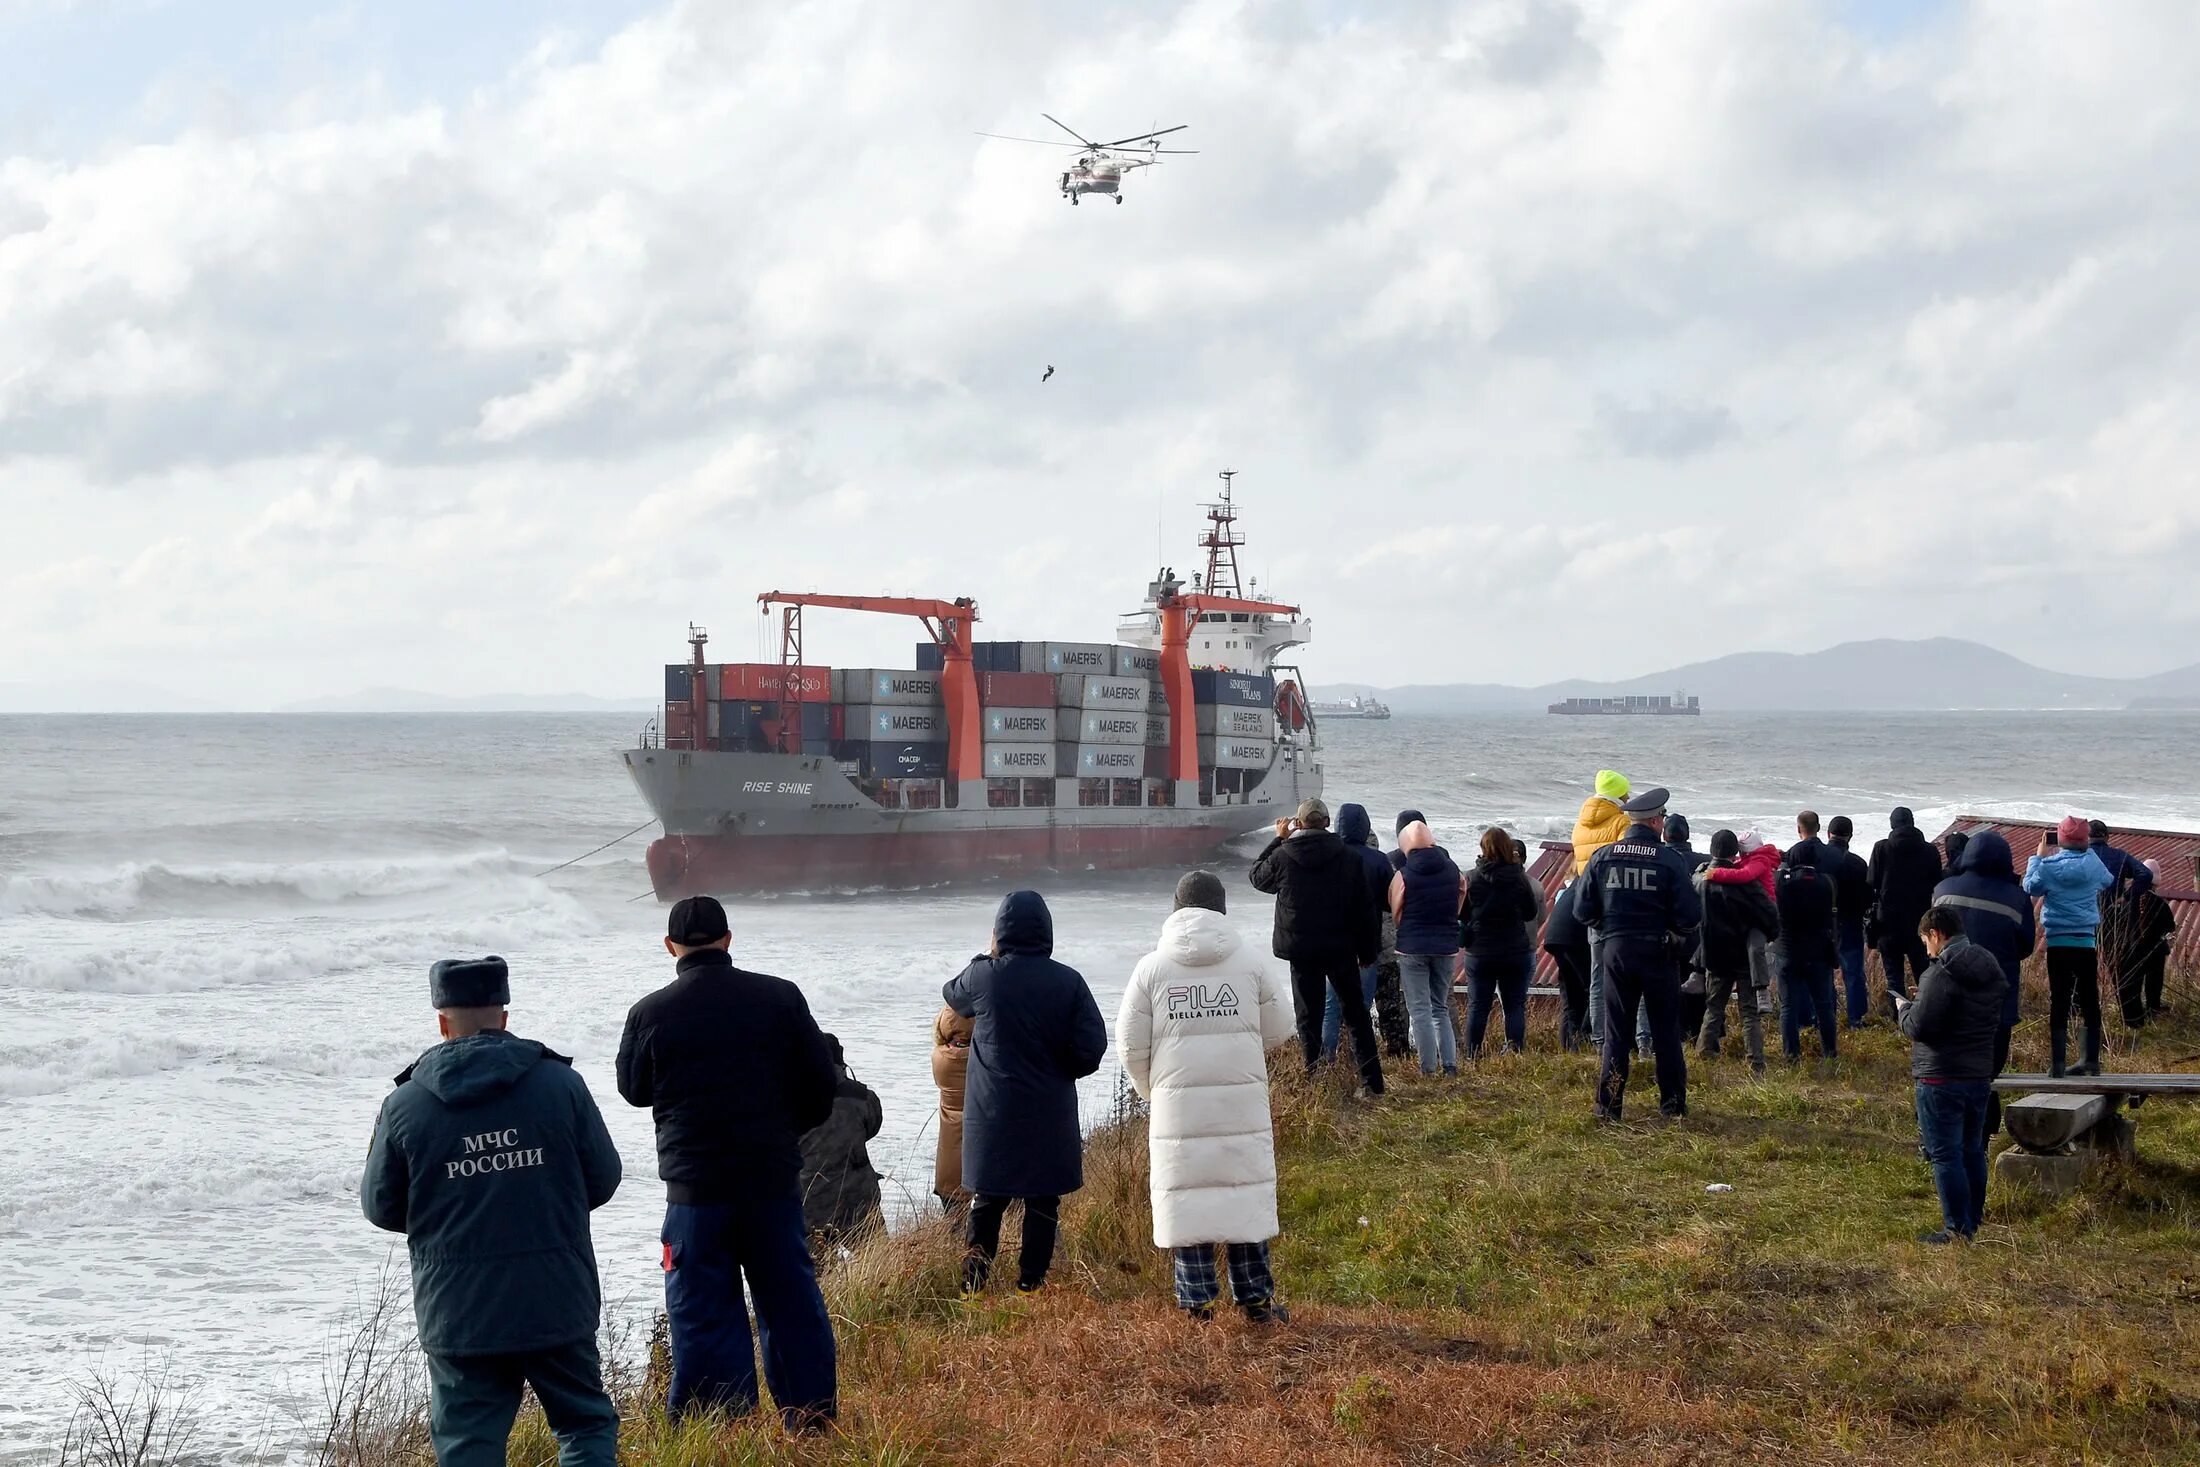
[1198, 1286]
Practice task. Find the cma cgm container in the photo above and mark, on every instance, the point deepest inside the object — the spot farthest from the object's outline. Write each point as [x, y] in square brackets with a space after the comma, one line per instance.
[741, 682]
[1020, 725]
[1239, 689]
[1129, 694]
[1019, 761]
[894, 725]
[1235, 722]
[889, 759]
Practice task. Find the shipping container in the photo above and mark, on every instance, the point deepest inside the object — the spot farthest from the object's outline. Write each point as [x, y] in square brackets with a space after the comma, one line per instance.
[931, 659]
[1017, 689]
[1229, 753]
[892, 724]
[680, 726]
[1019, 761]
[1020, 725]
[1106, 726]
[679, 683]
[817, 748]
[890, 759]
[1236, 723]
[1060, 658]
[1142, 662]
[1157, 697]
[1239, 689]
[743, 682]
[1158, 764]
[1157, 730]
[838, 728]
[900, 687]
[712, 723]
[1077, 690]
[1100, 761]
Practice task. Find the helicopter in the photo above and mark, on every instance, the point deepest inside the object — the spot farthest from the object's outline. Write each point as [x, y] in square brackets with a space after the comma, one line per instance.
[1100, 167]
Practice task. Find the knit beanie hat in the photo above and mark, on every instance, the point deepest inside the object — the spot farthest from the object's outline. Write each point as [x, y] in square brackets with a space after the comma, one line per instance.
[2073, 833]
[1201, 889]
[1613, 785]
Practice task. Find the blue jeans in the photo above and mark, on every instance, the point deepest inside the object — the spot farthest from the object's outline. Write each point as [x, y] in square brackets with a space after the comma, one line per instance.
[1951, 1124]
[473, 1400]
[709, 1250]
[1806, 997]
[1427, 982]
[1851, 937]
[1504, 979]
[1333, 1017]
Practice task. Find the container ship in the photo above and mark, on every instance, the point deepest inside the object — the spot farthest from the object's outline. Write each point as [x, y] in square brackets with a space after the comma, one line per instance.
[1680, 704]
[984, 757]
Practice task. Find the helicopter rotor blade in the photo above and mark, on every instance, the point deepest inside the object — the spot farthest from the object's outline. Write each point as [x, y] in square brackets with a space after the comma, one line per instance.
[1042, 142]
[1073, 132]
[1135, 137]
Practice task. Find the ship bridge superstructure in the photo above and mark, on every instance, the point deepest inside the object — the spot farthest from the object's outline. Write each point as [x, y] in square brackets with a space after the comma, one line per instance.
[1234, 640]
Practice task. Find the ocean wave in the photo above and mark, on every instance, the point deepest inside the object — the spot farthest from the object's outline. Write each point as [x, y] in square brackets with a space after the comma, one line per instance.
[156, 1189]
[163, 888]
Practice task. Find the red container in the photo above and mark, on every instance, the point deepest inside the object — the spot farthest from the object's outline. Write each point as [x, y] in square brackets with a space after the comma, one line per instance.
[838, 728]
[747, 682]
[1016, 689]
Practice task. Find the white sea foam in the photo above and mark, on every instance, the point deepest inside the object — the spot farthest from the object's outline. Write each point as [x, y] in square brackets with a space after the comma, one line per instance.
[133, 889]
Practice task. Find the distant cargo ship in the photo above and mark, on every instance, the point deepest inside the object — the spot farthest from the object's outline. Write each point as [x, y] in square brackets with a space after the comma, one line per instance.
[1350, 708]
[986, 757]
[1680, 704]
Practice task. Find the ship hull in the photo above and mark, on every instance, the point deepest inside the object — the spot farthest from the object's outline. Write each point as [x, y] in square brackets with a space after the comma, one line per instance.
[740, 823]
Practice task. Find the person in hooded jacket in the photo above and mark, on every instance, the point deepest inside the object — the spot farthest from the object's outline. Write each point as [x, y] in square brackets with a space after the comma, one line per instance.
[1808, 950]
[1951, 848]
[1197, 1021]
[488, 1156]
[1852, 899]
[1903, 870]
[1998, 920]
[734, 1071]
[1425, 900]
[1498, 928]
[2069, 879]
[1600, 823]
[2156, 927]
[1951, 1028]
[1325, 928]
[1567, 941]
[1036, 1032]
[841, 1200]
[1379, 980]
[1677, 835]
[950, 1072]
[2120, 941]
[1738, 920]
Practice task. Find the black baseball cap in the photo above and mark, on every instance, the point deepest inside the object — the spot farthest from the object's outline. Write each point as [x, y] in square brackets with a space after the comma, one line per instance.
[697, 921]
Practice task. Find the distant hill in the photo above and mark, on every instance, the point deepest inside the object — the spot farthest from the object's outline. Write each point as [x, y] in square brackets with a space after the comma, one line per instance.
[402, 700]
[1936, 674]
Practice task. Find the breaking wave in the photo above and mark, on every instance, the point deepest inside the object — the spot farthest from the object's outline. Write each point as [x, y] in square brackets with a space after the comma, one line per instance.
[159, 888]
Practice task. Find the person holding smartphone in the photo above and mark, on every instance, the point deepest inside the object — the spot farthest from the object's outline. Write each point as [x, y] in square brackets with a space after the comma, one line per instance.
[2070, 879]
[1952, 1026]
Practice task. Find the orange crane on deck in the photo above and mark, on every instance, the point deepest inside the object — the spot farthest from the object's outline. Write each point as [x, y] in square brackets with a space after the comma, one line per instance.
[1179, 613]
[948, 622]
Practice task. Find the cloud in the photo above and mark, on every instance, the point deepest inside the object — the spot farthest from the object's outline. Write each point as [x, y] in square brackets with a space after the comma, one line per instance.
[1534, 299]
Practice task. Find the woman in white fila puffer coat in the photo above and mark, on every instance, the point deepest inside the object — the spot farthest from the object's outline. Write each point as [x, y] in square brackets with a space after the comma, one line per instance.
[1197, 1022]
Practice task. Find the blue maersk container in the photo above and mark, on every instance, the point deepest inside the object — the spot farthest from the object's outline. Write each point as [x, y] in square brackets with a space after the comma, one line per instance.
[1235, 689]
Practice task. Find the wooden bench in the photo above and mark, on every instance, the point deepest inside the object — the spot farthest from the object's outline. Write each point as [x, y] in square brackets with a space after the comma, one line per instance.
[2063, 1125]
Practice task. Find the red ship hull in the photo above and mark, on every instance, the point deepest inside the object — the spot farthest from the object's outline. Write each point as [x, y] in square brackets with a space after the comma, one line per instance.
[720, 865]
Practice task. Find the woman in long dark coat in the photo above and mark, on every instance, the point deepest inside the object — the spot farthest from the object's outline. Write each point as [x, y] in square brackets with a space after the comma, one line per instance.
[1038, 1032]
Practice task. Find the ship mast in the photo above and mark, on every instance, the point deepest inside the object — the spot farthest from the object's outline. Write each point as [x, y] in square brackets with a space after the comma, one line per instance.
[1221, 541]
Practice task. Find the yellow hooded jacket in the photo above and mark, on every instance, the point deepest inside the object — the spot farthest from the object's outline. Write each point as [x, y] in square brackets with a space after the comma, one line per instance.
[1601, 820]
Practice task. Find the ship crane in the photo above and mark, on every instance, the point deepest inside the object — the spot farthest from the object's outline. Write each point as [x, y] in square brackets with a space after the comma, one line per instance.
[1179, 613]
[949, 624]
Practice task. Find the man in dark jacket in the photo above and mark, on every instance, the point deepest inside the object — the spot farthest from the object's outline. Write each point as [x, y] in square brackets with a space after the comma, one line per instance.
[489, 1156]
[2155, 929]
[1640, 895]
[1904, 869]
[1998, 919]
[841, 1200]
[1038, 1032]
[1325, 929]
[735, 1071]
[1567, 941]
[1379, 981]
[1676, 836]
[2120, 941]
[1732, 913]
[1952, 1028]
[1852, 901]
[1808, 949]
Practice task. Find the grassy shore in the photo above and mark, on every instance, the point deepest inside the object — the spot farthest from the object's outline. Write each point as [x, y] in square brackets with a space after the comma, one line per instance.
[1480, 1273]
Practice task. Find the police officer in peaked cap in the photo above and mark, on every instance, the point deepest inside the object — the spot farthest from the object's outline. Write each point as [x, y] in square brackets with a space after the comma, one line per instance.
[1638, 894]
[489, 1156]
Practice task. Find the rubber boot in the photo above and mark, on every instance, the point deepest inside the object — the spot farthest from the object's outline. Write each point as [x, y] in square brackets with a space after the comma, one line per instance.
[2058, 1042]
[2092, 1050]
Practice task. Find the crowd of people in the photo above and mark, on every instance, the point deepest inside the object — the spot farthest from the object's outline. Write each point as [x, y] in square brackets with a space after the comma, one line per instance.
[490, 1153]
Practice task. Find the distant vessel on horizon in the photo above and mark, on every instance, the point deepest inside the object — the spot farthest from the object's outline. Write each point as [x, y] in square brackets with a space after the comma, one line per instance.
[1680, 703]
[1367, 708]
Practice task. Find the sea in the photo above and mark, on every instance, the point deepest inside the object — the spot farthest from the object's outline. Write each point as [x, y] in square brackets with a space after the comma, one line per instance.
[215, 933]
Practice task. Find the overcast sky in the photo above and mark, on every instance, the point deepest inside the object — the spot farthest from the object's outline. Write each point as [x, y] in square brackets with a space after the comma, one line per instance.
[480, 348]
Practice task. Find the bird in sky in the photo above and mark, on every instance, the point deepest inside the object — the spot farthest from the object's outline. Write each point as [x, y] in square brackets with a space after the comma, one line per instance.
[1048, 373]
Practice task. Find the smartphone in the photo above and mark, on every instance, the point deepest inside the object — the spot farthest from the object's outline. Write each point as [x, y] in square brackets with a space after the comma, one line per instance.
[2052, 839]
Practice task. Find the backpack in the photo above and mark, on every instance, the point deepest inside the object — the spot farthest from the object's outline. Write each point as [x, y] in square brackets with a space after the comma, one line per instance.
[1804, 896]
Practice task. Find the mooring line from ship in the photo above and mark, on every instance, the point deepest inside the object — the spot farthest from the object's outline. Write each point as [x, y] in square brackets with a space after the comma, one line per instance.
[607, 845]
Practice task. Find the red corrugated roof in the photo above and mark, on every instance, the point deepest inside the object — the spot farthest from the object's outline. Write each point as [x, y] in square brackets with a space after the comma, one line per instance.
[2176, 851]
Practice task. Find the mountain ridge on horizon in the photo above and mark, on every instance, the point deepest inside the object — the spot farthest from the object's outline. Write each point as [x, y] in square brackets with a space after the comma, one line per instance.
[1885, 674]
